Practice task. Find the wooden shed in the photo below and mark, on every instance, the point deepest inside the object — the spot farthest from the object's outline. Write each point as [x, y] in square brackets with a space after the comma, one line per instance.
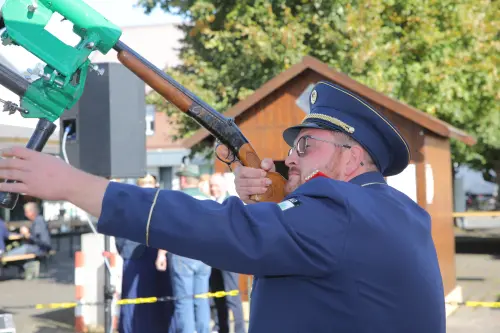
[264, 115]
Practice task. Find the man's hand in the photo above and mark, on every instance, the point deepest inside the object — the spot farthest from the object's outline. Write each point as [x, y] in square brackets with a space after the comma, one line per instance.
[24, 231]
[161, 260]
[252, 181]
[37, 174]
[49, 178]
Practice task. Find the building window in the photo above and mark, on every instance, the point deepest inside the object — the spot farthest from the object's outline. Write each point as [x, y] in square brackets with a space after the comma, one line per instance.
[150, 119]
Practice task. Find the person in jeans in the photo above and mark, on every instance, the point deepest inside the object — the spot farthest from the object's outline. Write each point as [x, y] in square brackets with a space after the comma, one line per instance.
[189, 276]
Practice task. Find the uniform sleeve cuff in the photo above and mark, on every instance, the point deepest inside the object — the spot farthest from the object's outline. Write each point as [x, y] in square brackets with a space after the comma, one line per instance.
[125, 211]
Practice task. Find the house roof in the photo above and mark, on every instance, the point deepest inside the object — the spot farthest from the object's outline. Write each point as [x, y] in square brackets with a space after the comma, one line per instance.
[310, 63]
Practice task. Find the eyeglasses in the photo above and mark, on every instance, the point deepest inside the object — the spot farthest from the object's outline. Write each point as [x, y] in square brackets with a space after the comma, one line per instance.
[302, 143]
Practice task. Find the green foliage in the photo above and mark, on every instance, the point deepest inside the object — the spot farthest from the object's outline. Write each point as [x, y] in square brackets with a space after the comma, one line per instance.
[440, 56]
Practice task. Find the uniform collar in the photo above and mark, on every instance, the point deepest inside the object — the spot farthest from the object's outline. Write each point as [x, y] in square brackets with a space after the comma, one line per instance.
[369, 178]
[318, 187]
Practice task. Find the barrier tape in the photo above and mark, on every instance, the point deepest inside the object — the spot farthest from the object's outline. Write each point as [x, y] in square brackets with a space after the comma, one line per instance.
[217, 294]
[473, 304]
[125, 301]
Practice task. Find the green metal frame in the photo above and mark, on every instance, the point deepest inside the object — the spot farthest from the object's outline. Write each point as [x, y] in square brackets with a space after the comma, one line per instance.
[63, 79]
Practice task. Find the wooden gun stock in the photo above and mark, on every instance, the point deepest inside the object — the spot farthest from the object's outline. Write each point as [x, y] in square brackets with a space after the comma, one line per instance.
[222, 128]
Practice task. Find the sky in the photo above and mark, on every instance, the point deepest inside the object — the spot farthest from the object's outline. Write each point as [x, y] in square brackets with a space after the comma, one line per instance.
[121, 12]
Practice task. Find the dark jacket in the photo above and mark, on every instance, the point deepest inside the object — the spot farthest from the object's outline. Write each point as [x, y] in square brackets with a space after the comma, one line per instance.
[129, 249]
[4, 234]
[40, 234]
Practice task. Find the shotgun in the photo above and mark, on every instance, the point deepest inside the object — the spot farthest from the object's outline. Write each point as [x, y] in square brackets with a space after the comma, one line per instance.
[62, 79]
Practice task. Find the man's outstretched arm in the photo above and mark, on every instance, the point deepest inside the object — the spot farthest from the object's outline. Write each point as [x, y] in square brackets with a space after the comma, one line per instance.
[258, 239]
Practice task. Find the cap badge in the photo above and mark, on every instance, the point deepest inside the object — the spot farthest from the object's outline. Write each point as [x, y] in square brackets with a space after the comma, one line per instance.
[314, 96]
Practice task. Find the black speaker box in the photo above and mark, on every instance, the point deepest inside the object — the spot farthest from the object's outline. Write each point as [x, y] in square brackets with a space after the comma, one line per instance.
[107, 127]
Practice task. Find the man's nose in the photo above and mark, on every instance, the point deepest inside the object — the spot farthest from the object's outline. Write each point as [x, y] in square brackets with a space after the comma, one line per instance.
[291, 158]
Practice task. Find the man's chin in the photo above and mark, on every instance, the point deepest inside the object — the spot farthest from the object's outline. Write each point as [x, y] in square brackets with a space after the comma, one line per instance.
[292, 184]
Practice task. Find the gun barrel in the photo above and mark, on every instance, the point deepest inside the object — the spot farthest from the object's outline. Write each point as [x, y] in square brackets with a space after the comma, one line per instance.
[221, 127]
[176, 94]
[12, 81]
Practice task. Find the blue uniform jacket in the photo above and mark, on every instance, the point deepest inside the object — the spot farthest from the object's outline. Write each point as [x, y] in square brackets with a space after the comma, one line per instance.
[340, 257]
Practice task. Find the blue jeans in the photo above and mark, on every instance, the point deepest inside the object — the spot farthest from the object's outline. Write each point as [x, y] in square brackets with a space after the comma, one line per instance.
[190, 277]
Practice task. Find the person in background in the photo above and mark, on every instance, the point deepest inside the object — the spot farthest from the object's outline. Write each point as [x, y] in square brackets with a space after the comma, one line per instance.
[140, 278]
[189, 276]
[224, 280]
[204, 184]
[36, 238]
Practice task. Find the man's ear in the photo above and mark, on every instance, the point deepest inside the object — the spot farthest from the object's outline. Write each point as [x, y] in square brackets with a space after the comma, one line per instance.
[355, 159]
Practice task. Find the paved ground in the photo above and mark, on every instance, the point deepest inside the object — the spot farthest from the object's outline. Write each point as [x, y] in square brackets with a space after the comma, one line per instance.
[478, 274]
[55, 285]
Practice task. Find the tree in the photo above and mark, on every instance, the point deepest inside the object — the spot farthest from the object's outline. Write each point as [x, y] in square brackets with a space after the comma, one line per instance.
[441, 57]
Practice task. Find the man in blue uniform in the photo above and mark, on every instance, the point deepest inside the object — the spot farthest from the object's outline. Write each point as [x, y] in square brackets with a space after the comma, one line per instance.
[344, 252]
[140, 278]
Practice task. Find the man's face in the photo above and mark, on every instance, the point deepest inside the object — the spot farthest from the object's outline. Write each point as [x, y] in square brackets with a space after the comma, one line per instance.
[327, 157]
[29, 214]
[216, 188]
[148, 184]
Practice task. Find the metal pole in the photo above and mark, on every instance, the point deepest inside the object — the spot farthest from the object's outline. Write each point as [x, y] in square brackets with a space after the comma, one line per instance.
[108, 292]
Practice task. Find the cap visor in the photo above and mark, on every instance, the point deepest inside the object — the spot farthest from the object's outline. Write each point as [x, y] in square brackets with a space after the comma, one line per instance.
[291, 133]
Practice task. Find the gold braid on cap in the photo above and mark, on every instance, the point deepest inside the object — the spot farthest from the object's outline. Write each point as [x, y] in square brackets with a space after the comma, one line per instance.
[331, 120]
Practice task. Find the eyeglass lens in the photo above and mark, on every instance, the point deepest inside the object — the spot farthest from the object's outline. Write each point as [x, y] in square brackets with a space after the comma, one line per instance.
[300, 146]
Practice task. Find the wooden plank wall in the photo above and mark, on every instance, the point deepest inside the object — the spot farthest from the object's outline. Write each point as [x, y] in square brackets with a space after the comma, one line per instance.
[438, 158]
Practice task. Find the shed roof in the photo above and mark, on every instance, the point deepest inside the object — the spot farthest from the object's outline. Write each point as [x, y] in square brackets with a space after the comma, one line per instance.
[310, 63]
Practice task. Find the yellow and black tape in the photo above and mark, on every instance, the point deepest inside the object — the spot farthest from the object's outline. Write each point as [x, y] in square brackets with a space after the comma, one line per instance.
[125, 301]
[217, 294]
[474, 304]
